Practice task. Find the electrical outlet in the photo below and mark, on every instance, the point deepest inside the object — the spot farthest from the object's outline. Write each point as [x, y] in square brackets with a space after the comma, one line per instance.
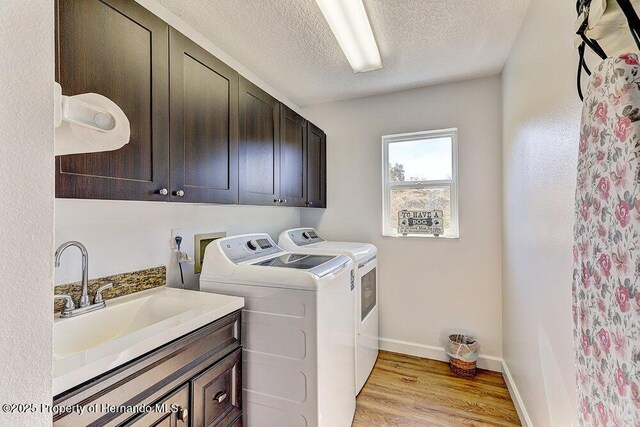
[175, 232]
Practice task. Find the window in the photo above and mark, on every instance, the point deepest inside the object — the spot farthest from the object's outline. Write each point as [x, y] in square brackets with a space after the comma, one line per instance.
[420, 173]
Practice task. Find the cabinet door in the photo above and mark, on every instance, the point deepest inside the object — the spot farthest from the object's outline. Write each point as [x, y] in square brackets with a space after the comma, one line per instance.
[204, 125]
[118, 49]
[217, 393]
[259, 146]
[172, 411]
[293, 164]
[316, 167]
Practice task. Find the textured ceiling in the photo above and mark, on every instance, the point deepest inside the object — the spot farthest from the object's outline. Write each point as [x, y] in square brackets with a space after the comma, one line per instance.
[289, 44]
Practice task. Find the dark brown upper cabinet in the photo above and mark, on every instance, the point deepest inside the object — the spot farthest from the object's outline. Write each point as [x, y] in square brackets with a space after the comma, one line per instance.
[293, 157]
[118, 49]
[204, 125]
[259, 160]
[316, 167]
[199, 131]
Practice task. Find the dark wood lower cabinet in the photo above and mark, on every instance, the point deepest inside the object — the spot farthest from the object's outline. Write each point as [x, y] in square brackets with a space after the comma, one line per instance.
[195, 381]
[217, 393]
[172, 411]
[237, 422]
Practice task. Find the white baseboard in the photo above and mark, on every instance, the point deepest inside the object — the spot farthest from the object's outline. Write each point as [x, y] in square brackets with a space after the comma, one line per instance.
[491, 363]
[515, 396]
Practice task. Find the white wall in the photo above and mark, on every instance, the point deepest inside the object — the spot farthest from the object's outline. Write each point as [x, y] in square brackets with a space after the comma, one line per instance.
[427, 286]
[541, 121]
[124, 236]
[26, 210]
[128, 236]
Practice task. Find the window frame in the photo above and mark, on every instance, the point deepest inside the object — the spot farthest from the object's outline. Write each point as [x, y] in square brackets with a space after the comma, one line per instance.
[454, 231]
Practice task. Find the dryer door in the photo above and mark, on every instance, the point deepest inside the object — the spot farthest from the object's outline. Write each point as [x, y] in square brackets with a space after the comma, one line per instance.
[367, 316]
[368, 288]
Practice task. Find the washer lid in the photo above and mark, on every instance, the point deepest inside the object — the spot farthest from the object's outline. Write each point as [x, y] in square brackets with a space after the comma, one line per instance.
[320, 265]
[307, 240]
[359, 251]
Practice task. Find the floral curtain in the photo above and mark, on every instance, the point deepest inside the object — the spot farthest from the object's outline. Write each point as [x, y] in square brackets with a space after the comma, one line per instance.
[606, 251]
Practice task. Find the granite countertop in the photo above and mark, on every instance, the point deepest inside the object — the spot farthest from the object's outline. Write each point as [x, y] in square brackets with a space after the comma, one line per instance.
[123, 284]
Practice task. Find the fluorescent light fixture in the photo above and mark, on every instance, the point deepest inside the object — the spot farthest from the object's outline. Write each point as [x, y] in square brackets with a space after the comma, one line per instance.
[350, 24]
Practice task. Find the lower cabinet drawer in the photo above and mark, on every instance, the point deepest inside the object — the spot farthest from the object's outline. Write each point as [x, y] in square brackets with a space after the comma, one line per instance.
[237, 422]
[172, 411]
[217, 393]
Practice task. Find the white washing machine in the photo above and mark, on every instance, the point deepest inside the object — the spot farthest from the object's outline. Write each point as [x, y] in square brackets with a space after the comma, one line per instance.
[297, 330]
[364, 255]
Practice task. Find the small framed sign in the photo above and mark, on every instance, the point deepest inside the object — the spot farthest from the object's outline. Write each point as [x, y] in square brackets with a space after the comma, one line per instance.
[421, 222]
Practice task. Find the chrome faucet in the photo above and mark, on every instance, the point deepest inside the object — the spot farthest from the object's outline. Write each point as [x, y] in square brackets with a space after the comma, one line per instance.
[84, 305]
[84, 298]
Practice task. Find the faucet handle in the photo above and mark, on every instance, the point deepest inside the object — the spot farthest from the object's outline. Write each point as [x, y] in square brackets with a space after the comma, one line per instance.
[68, 305]
[99, 298]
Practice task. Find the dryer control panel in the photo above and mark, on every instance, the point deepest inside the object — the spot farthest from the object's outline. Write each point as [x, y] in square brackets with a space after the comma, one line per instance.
[247, 248]
[304, 236]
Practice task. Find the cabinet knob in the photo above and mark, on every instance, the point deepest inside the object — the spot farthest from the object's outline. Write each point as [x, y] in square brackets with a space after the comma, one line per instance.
[182, 414]
[284, 201]
[220, 397]
[309, 203]
[163, 191]
[179, 193]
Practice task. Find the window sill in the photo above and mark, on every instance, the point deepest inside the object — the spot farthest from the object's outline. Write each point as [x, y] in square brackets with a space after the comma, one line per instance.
[424, 236]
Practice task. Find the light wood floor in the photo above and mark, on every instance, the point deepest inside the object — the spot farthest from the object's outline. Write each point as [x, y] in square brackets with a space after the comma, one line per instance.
[410, 391]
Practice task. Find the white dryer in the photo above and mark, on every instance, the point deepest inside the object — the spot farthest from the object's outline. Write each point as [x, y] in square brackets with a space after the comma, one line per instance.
[364, 255]
[297, 330]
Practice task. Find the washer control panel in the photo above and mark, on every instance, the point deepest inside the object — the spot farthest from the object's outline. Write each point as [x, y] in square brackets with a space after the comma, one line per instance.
[247, 248]
[305, 236]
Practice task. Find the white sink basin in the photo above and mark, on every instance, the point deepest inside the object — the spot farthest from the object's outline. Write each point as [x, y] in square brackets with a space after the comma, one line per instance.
[91, 344]
[94, 329]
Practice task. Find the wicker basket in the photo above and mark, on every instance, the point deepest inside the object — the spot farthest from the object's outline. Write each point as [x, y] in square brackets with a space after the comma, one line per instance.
[461, 368]
[462, 351]
[462, 345]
